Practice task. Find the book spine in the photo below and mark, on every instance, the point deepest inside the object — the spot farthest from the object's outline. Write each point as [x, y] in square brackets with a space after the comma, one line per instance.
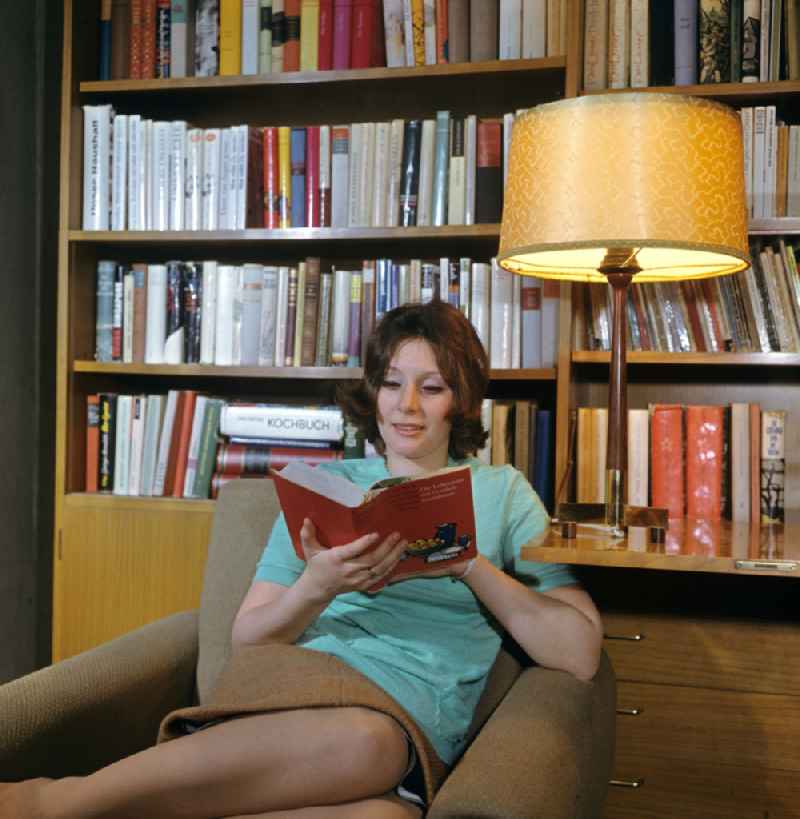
[291, 46]
[178, 133]
[618, 44]
[531, 305]
[284, 176]
[397, 128]
[96, 166]
[92, 442]
[312, 178]
[279, 421]
[409, 183]
[269, 294]
[291, 318]
[640, 37]
[354, 334]
[119, 176]
[340, 323]
[773, 466]
[163, 53]
[192, 197]
[127, 316]
[149, 32]
[230, 37]
[381, 175]
[324, 189]
[104, 312]
[206, 38]
[198, 416]
[271, 178]
[704, 456]
[252, 284]
[300, 314]
[393, 28]
[595, 47]
[686, 42]
[441, 168]
[265, 37]
[325, 41]
[667, 458]
[638, 457]
[179, 450]
[122, 444]
[470, 160]
[207, 449]
[342, 14]
[152, 431]
[480, 300]
[340, 175]
[715, 41]
[106, 463]
[159, 176]
[278, 35]
[488, 174]
[310, 312]
[250, 35]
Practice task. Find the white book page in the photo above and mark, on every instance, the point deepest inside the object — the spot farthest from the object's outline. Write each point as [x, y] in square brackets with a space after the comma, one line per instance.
[331, 486]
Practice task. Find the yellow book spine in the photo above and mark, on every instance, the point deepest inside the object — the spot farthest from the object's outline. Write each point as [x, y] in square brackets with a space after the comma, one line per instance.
[284, 177]
[309, 35]
[418, 27]
[230, 37]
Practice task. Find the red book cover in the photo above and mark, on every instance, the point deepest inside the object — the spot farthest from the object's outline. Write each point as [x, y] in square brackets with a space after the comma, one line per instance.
[312, 176]
[666, 458]
[135, 53]
[489, 172]
[291, 48]
[704, 459]
[92, 441]
[272, 213]
[148, 39]
[325, 43]
[755, 462]
[442, 35]
[342, 13]
[180, 428]
[362, 32]
[254, 208]
[434, 513]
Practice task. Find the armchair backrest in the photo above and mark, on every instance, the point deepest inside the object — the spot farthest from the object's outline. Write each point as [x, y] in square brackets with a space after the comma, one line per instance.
[245, 512]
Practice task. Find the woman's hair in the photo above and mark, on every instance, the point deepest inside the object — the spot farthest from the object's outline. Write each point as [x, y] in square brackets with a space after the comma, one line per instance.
[461, 359]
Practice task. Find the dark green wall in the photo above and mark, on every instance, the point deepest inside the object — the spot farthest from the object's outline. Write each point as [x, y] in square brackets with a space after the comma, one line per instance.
[30, 55]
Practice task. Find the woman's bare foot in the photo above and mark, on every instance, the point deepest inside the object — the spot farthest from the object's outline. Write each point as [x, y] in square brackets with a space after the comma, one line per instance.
[20, 800]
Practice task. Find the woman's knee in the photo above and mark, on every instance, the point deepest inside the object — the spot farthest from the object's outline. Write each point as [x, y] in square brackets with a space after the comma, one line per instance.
[378, 738]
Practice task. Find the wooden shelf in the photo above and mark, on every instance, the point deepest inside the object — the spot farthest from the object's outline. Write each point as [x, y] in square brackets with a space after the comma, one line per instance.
[732, 93]
[691, 545]
[293, 78]
[708, 359]
[86, 501]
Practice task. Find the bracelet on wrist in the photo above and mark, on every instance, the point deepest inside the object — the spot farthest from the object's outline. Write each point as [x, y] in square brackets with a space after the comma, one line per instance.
[467, 569]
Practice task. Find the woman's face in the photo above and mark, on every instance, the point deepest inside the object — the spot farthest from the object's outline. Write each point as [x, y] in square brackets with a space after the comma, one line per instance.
[413, 404]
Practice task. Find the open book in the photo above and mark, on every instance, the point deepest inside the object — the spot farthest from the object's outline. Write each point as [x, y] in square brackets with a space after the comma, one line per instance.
[433, 512]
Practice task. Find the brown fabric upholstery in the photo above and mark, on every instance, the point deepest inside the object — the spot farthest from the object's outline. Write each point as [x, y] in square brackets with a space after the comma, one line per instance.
[543, 742]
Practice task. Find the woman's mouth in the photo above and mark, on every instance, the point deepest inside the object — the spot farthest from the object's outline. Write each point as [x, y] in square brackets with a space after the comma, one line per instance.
[407, 429]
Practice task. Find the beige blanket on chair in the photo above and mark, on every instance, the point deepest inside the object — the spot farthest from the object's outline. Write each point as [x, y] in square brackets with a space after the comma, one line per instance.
[259, 679]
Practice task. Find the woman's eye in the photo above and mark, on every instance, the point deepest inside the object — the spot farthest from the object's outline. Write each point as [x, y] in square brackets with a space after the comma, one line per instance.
[432, 389]
[390, 385]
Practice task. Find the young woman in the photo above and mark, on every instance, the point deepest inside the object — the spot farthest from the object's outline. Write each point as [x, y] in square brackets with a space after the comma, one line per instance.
[418, 652]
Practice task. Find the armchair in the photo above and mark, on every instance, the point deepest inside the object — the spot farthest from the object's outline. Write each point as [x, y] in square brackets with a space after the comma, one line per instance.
[542, 742]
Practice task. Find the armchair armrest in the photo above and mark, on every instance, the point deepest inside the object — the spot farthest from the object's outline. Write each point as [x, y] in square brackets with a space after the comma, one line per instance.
[545, 753]
[92, 709]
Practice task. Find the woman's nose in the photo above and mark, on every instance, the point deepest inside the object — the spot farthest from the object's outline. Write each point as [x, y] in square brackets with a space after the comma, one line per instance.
[409, 398]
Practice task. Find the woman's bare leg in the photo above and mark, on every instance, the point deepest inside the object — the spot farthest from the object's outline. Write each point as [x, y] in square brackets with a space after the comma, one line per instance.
[269, 762]
[388, 806]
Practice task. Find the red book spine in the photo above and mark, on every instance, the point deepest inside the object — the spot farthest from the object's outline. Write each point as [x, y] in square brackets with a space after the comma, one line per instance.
[254, 217]
[92, 441]
[666, 458]
[148, 39]
[272, 213]
[362, 33]
[291, 48]
[176, 469]
[378, 58]
[135, 54]
[247, 459]
[442, 34]
[342, 13]
[704, 454]
[312, 176]
[325, 43]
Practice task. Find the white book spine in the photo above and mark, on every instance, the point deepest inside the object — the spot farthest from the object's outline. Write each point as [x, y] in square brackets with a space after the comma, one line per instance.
[127, 317]
[138, 407]
[508, 127]
[618, 43]
[501, 325]
[177, 174]
[340, 175]
[470, 165]
[354, 183]
[193, 214]
[595, 45]
[122, 445]
[465, 287]
[277, 50]
[746, 115]
[160, 172]
[444, 278]
[265, 38]
[759, 161]
[340, 324]
[740, 462]
[408, 33]
[426, 161]
[516, 322]
[146, 181]
[325, 163]
[770, 162]
[252, 284]
[640, 43]
[395, 172]
[227, 214]
[393, 29]
[281, 311]
[187, 490]
[480, 299]
[531, 312]
[180, 60]
[96, 166]
[766, 27]
[152, 432]
[164, 442]
[227, 280]
[366, 180]
[456, 196]
[550, 307]
[510, 29]
[251, 14]
[211, 178]
[793, 181]
[638, 457]
[269, 296]
[208, 312]
[485, 453]
[534, 29]
[135, 204]
[381, 174]
[119, 173]
[156, 323]
[280, 421]
[429, 29]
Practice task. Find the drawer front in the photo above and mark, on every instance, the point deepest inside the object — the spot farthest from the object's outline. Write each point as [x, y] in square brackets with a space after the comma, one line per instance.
[729, 654]
[676, 789]
[703, 726]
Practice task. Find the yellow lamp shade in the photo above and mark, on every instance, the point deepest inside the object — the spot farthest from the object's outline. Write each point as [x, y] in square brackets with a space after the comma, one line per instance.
[661, 174]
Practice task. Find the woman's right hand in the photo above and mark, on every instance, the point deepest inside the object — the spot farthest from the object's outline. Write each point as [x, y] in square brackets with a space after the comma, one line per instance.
[356, 566]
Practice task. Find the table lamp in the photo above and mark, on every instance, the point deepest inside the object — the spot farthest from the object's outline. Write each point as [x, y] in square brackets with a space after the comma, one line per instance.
[622, 188]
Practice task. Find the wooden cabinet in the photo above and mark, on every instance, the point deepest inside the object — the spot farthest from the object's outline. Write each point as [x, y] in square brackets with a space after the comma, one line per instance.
[708, 679]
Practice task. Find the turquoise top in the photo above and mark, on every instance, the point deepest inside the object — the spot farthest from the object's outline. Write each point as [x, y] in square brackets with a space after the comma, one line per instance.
[427, 641]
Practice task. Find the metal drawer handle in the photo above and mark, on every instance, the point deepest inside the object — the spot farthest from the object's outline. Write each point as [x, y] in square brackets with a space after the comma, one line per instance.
[630, 712]
[635, 638]
[627, 783]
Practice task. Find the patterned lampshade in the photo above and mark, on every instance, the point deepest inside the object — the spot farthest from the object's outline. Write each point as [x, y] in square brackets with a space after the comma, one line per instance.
[660, 174]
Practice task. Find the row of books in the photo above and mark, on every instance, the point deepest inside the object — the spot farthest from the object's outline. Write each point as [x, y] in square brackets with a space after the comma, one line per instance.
[699, 461]
[140, 174]
[638, 43]
[146, 39]
[186, 444]
[185, 312]
[771, 163]
[756, 310]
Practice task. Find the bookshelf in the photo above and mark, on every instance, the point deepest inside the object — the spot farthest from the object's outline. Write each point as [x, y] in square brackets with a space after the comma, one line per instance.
[120, 562]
